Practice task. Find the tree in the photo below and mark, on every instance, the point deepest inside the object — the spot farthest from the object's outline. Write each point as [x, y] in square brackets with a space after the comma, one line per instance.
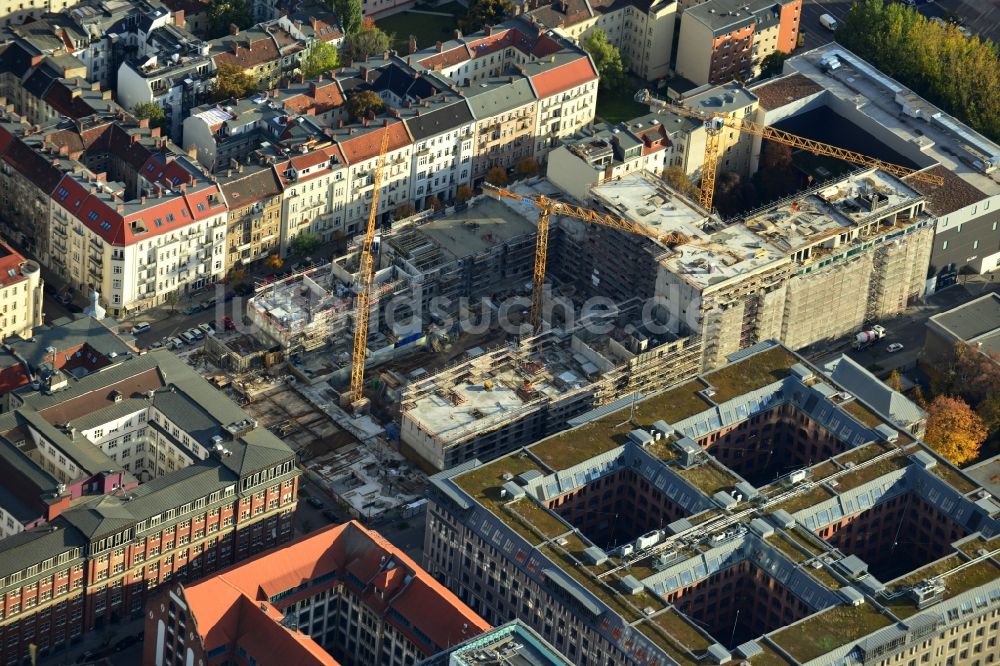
[364, 103]
[349, 14]
[773, 63]
[224, 13]
[608, 60]
[463, 193]
[231, 82]
[304, 243]
[497, 176]
[323, 57]
[363, 43]
[404, 211]
[895, 381]
[274, 262]
[527, 167]
[776, 176]
[935, 59]
[151, 111]
[974, 374]
[677, 179]
[485, 12]
[434, 203]
[954, 430]
[917, 396]
[172, 299]
[732, 194]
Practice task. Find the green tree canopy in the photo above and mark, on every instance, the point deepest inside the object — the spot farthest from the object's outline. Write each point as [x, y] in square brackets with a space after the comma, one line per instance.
[772, 63]
[349, 14]
[485, 12]
[364, 103]
[367, 41]
[151, 110]
[223, 13]
[304, 243]
[322, 58]
[608, 60]
[231, 82]
[959, 74]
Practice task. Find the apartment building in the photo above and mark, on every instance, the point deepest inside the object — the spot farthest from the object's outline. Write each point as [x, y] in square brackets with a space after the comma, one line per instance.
[877, 113]
[266, 52]
[143, 473]
[253, 224]
[723, 40]
[20, 294]
[505, 115]
[340, 595]
[314, 196]
[642, 30]
[442, 133]
[562, 77]
[109, 206]
[641, 144]
[667, 531]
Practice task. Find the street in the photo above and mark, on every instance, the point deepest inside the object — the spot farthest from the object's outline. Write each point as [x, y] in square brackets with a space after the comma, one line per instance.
[907, 329]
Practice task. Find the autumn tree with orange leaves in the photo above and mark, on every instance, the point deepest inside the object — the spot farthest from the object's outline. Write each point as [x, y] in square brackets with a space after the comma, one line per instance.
[954, 430]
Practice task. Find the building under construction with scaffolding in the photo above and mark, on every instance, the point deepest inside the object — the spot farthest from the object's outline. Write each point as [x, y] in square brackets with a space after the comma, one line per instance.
[813, 267]
[512, 395]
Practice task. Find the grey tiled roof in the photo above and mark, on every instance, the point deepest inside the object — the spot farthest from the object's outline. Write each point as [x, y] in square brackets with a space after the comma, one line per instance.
[864, 385]
[33, 546]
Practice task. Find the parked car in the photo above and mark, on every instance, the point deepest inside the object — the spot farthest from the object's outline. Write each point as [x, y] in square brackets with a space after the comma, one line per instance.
[331, 515]
[829, 22]
[187, 337]
[315, 502]
[206, 329]
[894, 347]
[192, 309]
[175, 343]
[156, 345]
[195, 333]
[228, 323]
[140, 328]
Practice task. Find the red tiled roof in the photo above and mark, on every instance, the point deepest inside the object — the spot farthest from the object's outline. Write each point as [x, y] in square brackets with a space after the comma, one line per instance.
[322, 96]
[221, 604]
[246, 54]
[563, 77]
[10, 260]
[365, 146]
[447, 58]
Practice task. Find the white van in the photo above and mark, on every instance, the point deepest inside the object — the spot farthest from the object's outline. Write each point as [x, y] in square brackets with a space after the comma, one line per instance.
[829, 22]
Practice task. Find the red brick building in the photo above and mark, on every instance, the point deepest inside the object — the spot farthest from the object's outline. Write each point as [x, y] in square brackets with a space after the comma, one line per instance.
[343, 595]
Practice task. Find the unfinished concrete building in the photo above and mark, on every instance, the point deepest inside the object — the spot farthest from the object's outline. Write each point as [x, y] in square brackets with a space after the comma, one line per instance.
[511, 396]
[302, 311]
[486, 248]
[792, 271]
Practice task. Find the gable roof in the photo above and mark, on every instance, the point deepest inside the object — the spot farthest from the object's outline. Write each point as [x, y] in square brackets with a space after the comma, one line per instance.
[866, 386]
[364, 144]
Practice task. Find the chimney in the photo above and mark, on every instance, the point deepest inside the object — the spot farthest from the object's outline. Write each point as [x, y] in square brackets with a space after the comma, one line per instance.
[143, 124]
[458, 34]
[413, 47]
[101, 177]
[154, 132]
[302, 78]
[95, 86]
[340, 124]
[142, 200]
[234, 29]
[179, 18]
[106, 94]
[385, 55]
[440, 47]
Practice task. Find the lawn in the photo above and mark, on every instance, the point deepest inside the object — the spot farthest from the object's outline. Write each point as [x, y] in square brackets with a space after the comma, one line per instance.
[616, 108]
[427, 28]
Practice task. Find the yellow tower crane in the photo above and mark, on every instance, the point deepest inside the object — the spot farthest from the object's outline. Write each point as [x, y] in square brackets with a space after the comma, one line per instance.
[548, 206]
[366, 276]
[714, 122]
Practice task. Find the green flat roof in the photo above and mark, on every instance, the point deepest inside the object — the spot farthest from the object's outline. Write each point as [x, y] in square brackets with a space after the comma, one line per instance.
[750, 374]
[828, 630]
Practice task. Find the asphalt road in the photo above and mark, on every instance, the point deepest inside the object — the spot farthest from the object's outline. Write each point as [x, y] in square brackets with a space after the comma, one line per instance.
[908, 329]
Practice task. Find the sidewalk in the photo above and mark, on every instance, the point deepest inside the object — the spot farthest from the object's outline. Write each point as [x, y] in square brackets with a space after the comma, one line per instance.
[99, 641]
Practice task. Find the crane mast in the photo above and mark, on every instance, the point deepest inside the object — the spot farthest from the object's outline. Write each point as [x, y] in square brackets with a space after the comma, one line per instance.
[366, 276]
[714, 122]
